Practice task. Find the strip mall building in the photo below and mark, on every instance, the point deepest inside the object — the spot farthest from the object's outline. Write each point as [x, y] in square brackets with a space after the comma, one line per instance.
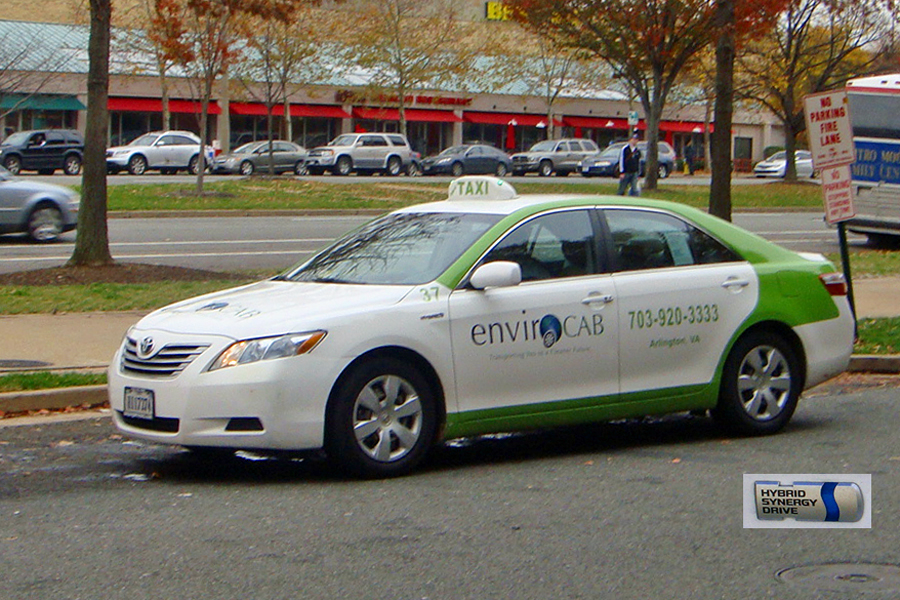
[511, 120]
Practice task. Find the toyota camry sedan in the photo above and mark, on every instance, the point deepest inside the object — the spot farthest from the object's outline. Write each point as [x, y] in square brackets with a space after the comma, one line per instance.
[487, 312]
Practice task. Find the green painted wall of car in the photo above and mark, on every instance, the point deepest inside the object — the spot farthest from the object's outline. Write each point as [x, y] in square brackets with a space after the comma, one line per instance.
[586, 410]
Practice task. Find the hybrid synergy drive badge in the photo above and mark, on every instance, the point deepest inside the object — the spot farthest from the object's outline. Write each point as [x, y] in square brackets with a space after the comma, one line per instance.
[809, 501]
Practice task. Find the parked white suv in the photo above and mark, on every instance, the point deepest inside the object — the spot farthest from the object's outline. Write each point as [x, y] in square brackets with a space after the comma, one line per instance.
[388, 153]
[166, 151]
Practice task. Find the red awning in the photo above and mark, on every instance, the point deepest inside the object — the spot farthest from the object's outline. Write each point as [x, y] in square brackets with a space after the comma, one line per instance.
[683, 127]
[491, 118]
[255, 109]
[412, 114]
[596, 122]
[155, 105]
[318, 110]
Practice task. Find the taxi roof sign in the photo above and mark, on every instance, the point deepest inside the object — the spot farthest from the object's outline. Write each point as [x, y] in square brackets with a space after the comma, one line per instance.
[475, 187]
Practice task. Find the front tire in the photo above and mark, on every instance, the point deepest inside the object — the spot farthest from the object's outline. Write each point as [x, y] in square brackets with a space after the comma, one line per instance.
[300, 168]
[381, 419]
[72, 165]
[343, 166]
[457, 169]
[45, 224]
[247, 168]
[414, 170]
[662, 171]
[761, 384]
[13, 164]
[137, 165]
[545, 169]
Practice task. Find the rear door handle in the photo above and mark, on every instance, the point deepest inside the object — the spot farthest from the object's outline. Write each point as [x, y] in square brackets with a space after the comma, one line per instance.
[732, 283]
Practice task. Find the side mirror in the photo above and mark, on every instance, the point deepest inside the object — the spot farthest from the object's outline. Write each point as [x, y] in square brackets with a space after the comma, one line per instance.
[500, 273]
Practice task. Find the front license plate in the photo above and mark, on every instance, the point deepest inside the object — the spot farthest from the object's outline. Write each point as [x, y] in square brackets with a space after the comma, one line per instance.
[139, 403]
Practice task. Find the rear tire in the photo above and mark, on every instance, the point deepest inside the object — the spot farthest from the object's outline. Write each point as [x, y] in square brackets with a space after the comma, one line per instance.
[761, 385]
[72, 165]
[194, 165]
[381, 419]
[300, 168]
[394, 166]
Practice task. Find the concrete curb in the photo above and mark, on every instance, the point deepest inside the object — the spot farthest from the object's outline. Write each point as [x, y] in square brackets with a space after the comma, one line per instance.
[55, 399]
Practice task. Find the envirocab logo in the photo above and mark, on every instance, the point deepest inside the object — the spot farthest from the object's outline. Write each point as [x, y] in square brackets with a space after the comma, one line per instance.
[549, 329]
[807, 501]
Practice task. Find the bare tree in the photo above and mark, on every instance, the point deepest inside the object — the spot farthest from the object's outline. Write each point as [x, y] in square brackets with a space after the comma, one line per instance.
[405, 45]
[817, 45]
[278, 62]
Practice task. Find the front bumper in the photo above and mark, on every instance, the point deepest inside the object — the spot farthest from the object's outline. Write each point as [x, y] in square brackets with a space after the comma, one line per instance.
[270, 405]
[319, 161]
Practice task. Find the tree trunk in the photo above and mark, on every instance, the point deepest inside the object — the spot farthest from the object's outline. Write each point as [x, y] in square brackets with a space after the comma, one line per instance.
[92, 241]
[720, 152]
[269, 131]
[288, 122]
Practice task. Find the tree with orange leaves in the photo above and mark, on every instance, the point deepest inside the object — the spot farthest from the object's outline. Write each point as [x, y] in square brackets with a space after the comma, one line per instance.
[647, 43]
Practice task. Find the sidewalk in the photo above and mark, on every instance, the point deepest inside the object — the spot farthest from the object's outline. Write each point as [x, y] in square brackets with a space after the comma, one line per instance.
[78, 341]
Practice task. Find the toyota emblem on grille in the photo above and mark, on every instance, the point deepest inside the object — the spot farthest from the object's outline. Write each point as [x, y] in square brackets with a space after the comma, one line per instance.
[146, 346]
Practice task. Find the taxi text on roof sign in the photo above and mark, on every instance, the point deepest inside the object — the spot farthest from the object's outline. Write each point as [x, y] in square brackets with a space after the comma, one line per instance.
[480, 188]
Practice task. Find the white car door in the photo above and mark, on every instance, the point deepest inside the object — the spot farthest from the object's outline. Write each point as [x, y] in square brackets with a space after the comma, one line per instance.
[549, 339]
[680, 297]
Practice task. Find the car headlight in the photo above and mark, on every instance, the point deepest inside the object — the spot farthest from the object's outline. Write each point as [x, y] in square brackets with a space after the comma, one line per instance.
[280, 346]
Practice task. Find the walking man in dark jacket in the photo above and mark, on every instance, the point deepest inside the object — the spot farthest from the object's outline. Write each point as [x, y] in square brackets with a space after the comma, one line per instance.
[630, 167]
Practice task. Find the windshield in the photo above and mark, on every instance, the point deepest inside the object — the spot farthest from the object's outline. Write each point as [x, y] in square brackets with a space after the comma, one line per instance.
[611, 152]
[16, 139]
[453, 150]
[343, 140]
[778, 156]
[545, 146]
[246, 148]
[144, 140]
[397, 249]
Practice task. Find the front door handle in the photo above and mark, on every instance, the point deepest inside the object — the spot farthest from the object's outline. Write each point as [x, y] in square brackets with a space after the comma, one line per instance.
[597, 298]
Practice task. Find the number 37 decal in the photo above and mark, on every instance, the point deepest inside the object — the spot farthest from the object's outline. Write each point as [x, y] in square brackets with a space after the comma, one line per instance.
[430, 294]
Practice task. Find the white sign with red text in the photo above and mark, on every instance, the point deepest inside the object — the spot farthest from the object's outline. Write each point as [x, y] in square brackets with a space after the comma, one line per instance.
[838, 194]
[828, 126]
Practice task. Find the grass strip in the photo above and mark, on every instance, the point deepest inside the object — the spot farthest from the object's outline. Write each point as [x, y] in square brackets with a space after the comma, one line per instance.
[42, 380]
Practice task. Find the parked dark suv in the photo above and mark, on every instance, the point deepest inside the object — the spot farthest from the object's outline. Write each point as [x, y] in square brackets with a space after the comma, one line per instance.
[43, 150]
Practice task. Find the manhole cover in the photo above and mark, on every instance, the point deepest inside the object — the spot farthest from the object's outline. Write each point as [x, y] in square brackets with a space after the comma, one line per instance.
[840, 577]
[23, 364]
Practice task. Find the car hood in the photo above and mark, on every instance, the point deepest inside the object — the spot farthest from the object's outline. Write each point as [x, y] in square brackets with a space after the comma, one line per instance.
[30, 187]
[270, 308]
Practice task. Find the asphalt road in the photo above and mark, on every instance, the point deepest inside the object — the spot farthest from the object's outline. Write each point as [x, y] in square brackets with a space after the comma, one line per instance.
[275, 243]
[630, 510]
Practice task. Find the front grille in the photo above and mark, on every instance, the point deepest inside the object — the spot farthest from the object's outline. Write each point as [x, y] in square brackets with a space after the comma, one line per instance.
[168, 362]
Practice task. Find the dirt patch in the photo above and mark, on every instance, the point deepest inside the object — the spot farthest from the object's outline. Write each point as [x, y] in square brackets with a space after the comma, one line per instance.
[117, 273]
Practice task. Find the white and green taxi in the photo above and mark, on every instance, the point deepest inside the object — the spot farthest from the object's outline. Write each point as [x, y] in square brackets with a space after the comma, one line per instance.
[489, 312]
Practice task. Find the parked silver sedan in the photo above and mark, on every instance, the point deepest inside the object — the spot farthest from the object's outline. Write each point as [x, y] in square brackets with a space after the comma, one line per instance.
[776, 165]
[253, 157]
[41, 210]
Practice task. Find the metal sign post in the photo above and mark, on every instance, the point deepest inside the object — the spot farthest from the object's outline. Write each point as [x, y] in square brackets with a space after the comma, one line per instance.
[831, 145]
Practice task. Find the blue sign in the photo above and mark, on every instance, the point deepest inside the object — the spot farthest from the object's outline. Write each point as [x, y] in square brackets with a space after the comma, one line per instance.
[876, 162]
